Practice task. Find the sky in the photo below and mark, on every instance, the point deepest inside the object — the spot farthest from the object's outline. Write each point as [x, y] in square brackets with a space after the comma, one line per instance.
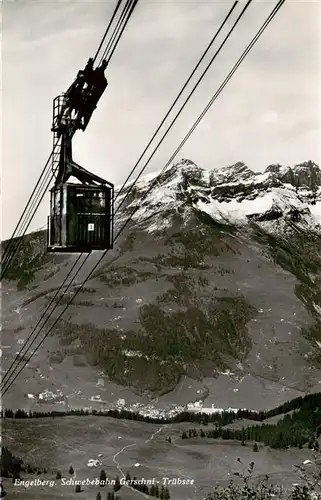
[270, 111]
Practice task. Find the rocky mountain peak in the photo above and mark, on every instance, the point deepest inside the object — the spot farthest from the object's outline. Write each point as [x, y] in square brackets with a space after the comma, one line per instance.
[183, 170]
[303, 175]
[237, 172]
[274, 168]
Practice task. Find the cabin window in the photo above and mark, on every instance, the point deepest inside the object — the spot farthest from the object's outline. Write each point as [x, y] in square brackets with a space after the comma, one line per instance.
[57, 202]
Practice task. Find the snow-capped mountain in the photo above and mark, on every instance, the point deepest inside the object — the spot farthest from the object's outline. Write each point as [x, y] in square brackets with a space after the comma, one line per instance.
[233, 195]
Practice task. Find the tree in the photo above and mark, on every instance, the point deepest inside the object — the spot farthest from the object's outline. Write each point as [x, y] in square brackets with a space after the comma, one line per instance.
[162, 492]
[71, 470]
[152, 490]
[98, 496]
[102, 478]
[10, 464]
[144, 489]
[78, 488]
[169, 439]
[117, 484]
[166, 494]
[58, 474]
[128, 476]
[255, 447]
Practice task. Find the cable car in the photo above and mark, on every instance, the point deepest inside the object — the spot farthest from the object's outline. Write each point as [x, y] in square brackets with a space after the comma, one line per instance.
[81, 214]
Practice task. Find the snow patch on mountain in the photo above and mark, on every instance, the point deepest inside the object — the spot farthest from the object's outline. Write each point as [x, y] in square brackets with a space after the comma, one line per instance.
[280, 201]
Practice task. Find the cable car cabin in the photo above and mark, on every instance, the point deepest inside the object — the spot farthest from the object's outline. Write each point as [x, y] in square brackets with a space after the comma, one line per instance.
[81, 218]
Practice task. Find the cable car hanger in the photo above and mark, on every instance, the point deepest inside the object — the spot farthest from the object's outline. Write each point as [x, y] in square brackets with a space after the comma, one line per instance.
[67, 167]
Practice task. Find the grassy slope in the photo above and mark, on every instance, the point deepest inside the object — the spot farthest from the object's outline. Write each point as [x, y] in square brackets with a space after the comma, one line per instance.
[191, 329]
[73, 440]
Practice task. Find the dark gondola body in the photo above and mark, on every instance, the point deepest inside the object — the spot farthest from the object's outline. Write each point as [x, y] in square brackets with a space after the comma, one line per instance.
[80, 218]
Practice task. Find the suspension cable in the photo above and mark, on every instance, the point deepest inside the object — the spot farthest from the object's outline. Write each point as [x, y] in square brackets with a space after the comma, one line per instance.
[122, 30]
[189, 96]
[8, 248]
[25, 345]
[227, 79]
[254, 40]
[116, 30]
[179, 95]
[107, 29]
[19, 239]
